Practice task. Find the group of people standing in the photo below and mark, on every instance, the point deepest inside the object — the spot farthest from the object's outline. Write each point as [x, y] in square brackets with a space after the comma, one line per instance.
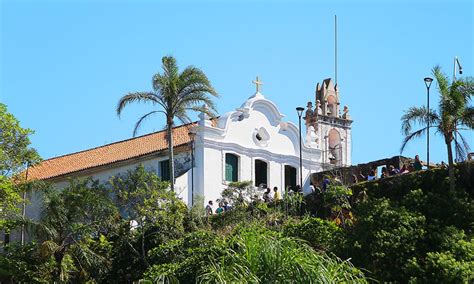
[223, 206]
[391, 170]
[269, 197]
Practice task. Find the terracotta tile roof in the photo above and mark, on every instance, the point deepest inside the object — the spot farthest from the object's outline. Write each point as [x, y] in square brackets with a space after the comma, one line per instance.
[108, 154]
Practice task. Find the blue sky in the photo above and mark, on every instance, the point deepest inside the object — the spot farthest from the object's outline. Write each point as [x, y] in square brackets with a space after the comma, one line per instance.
[65, 64]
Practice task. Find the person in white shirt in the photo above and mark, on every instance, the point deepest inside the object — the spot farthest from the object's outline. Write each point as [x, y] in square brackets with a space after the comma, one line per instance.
[209, 208]
[308, 190]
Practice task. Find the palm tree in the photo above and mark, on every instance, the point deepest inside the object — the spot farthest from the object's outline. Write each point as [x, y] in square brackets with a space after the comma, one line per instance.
[174, 94]
[454, 114]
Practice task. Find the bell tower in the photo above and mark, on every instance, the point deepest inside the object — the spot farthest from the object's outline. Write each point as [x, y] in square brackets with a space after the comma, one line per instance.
[326, 128]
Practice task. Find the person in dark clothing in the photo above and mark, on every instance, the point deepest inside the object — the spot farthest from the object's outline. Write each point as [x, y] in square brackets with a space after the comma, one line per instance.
[267, 195]
[417, 164]
[325, 183]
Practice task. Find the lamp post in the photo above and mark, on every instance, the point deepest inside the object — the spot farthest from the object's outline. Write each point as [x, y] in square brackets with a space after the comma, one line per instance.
[456, 64]
[192, 135]
[300, 110]
[428, 81]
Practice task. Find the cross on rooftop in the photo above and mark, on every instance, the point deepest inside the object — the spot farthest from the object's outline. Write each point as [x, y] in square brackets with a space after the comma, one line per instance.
[257, 84]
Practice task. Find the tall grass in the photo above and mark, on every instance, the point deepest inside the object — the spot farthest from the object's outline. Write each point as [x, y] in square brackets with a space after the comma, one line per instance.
[261, 256]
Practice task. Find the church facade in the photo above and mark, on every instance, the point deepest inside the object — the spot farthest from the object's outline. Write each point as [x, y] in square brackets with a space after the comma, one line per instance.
[252, 142]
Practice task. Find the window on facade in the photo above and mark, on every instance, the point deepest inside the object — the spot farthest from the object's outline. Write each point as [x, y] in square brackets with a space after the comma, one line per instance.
[260, 173]
[231, 167]
[290, 176]
[165, 170]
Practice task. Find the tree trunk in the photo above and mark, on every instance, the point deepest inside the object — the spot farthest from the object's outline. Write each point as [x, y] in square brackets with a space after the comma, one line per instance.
[169, 126]
[450, 163]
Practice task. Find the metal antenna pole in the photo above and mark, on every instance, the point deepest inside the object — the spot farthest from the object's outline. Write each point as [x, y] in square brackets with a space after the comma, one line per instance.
[335, 47]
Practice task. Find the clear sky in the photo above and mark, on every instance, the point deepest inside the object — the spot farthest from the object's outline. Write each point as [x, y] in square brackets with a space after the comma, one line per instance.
[65, 64]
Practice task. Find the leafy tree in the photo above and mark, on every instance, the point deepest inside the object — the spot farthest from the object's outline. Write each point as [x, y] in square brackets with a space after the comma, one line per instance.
[15, 155]
[384, 237]
[72, 228]
[240, 193]
[10, 199]
[453, 263]
[152, 215]
[175, 94]
[14, 145]
[454, 114]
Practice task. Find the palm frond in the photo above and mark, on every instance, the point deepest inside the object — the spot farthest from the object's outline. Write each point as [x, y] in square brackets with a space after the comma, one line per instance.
[203, 109]
[193, 79]
[418, 115]
[196, 100]
[170, 67]
[466, 88]
[143, 118]
[442, 79]
[136, 97]
[183, 117]
[462, 146]
[411, 136]
[467, 117]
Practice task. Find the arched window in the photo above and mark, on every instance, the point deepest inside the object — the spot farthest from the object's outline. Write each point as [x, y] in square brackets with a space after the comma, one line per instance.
[332, 106]
[334, 147]
[231, 167]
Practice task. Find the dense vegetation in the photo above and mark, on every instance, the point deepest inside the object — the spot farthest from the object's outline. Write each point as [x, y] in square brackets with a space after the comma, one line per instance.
[407, 228]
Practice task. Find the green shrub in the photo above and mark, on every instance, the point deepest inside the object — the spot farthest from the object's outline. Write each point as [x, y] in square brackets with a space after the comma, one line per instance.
[384, 238]
[261, 256]
[251, 254]
[24, 264]
[182, 259]
[321, 234]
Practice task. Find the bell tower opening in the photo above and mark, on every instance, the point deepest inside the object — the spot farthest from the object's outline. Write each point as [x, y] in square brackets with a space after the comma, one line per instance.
[331, 106]
[334, 147]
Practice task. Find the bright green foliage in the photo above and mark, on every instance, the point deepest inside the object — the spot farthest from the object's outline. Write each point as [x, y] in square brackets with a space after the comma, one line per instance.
[251, 255]
[10, 199]
[321, 234]
[72, 223]
[14, 156]
[14, 144]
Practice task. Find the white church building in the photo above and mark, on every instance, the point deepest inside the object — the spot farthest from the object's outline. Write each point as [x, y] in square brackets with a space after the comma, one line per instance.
[253, 142]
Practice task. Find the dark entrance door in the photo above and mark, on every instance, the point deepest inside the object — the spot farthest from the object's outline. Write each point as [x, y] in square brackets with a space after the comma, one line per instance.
[260, 172]
[290, 176]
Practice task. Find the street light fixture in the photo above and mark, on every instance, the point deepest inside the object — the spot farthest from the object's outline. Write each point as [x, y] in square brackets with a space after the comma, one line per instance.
[300, 110]
[428, 82]
[192, 135]
[456, 64]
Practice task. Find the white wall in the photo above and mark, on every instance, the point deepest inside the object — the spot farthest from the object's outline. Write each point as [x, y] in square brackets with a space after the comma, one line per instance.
[235, 133]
